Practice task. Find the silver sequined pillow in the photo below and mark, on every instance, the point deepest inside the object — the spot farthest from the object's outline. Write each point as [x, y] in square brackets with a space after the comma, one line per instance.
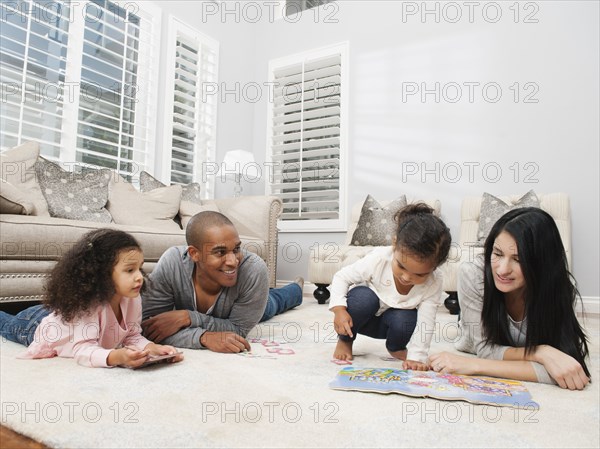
[76, 196]
[376, 225]
[190, 192]
[492, 208]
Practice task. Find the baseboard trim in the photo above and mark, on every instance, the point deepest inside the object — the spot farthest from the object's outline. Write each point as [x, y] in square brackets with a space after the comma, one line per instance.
[591, 305]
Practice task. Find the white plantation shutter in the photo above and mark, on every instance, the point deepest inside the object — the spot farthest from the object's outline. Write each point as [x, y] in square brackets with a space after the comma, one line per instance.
[87, 78]
[32, 73]
[115, 119]
[308, 139]
[191, 133]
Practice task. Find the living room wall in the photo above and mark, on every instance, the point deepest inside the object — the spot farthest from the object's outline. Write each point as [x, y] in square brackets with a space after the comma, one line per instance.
[542, 135]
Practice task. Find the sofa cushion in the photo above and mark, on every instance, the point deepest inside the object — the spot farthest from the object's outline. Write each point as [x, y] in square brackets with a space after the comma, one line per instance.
[154, 209]
[376, 224]
[76, 196]
[13, 200]
[492, 208]
[188, 209]
[191, 203]
[17, 168]
[40, 239]
[189, 192]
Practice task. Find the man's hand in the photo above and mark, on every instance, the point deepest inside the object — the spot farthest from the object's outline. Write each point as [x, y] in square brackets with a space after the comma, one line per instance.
[165, 324]
[224, 342]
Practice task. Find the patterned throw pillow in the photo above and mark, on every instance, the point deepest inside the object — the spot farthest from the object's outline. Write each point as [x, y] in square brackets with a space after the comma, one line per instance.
[376, 224]
[190, 192]
[492, 208]
[76, 196]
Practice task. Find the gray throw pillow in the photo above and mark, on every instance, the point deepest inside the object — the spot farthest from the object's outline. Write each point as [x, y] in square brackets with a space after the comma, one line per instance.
[376, 225]
[76, 196]
[190, 192]
[492, 208]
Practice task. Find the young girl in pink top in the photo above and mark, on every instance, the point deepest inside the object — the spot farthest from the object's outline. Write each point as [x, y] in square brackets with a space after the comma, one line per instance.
[92, 310]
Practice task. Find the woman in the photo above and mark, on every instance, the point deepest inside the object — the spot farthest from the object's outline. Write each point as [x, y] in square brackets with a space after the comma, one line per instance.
[517, 302]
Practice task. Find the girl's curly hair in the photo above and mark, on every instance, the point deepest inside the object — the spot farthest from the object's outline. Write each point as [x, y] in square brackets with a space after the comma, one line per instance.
[82, 278]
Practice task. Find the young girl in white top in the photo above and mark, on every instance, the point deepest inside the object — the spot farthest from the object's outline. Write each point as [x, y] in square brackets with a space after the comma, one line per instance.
[92, 310]
[402, 293]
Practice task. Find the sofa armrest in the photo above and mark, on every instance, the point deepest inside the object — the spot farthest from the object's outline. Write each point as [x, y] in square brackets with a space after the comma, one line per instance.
[256, 217]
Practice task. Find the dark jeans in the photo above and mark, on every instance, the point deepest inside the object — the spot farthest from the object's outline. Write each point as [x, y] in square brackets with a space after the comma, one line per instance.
[21, 327]
[396, 326]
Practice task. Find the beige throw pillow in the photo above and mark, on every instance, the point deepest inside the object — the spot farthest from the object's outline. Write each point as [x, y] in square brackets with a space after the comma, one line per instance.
[17, 168]
[13, 200]
[154, 209]
[187, 210]
[191, 203]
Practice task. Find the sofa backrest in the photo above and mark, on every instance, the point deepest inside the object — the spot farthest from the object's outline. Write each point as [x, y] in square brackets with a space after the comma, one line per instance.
[556, 204]
[356, 209]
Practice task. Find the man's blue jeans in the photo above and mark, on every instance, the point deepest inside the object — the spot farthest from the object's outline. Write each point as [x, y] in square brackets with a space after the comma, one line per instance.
[21, 327]
[282, 299]
[396, 326]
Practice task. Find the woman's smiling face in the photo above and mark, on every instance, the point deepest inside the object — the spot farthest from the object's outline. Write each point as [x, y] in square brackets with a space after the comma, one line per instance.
[506, 268]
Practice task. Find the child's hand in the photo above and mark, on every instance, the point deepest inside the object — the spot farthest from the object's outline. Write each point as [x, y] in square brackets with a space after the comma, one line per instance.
[127, 357]
[414, 365]
[155, 349]
[342, 322]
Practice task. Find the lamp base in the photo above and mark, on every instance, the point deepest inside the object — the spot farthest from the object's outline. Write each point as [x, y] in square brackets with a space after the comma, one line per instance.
[237, 190]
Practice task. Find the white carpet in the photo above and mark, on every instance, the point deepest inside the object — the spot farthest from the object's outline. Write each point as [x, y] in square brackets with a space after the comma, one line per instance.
[218, 400]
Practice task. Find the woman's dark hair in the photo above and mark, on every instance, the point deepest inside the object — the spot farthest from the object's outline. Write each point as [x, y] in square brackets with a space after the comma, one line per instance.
[422, 234]
[550, 290]
[82, 278]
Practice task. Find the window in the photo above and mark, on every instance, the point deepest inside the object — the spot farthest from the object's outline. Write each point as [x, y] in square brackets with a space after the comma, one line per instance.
[190, 135]
[295, 6]
[80, 78]
[32, 74]
[307, 132]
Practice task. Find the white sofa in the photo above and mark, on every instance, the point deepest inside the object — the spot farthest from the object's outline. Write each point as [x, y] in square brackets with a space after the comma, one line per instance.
[32, 240]
[328, 258]
[556, 204]
[466, 248]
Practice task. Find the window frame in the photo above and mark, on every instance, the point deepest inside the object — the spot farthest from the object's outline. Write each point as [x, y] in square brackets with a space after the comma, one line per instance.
[316, 225]
[176, 26]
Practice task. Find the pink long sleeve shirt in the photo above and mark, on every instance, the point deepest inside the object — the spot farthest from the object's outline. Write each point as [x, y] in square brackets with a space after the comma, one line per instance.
[90, 338]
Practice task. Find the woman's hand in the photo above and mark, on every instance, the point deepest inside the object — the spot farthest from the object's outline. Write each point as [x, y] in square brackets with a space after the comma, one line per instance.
[448, 363]
[564, 369]
[342, 322]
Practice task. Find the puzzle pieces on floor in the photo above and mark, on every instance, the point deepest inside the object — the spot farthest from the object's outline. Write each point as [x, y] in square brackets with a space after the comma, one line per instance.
[272, 349]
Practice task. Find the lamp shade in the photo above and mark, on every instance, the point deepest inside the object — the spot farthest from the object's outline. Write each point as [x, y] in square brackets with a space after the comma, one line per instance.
[237, 159]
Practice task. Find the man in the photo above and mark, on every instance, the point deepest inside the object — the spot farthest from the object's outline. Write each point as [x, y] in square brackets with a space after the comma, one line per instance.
[211, 293]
